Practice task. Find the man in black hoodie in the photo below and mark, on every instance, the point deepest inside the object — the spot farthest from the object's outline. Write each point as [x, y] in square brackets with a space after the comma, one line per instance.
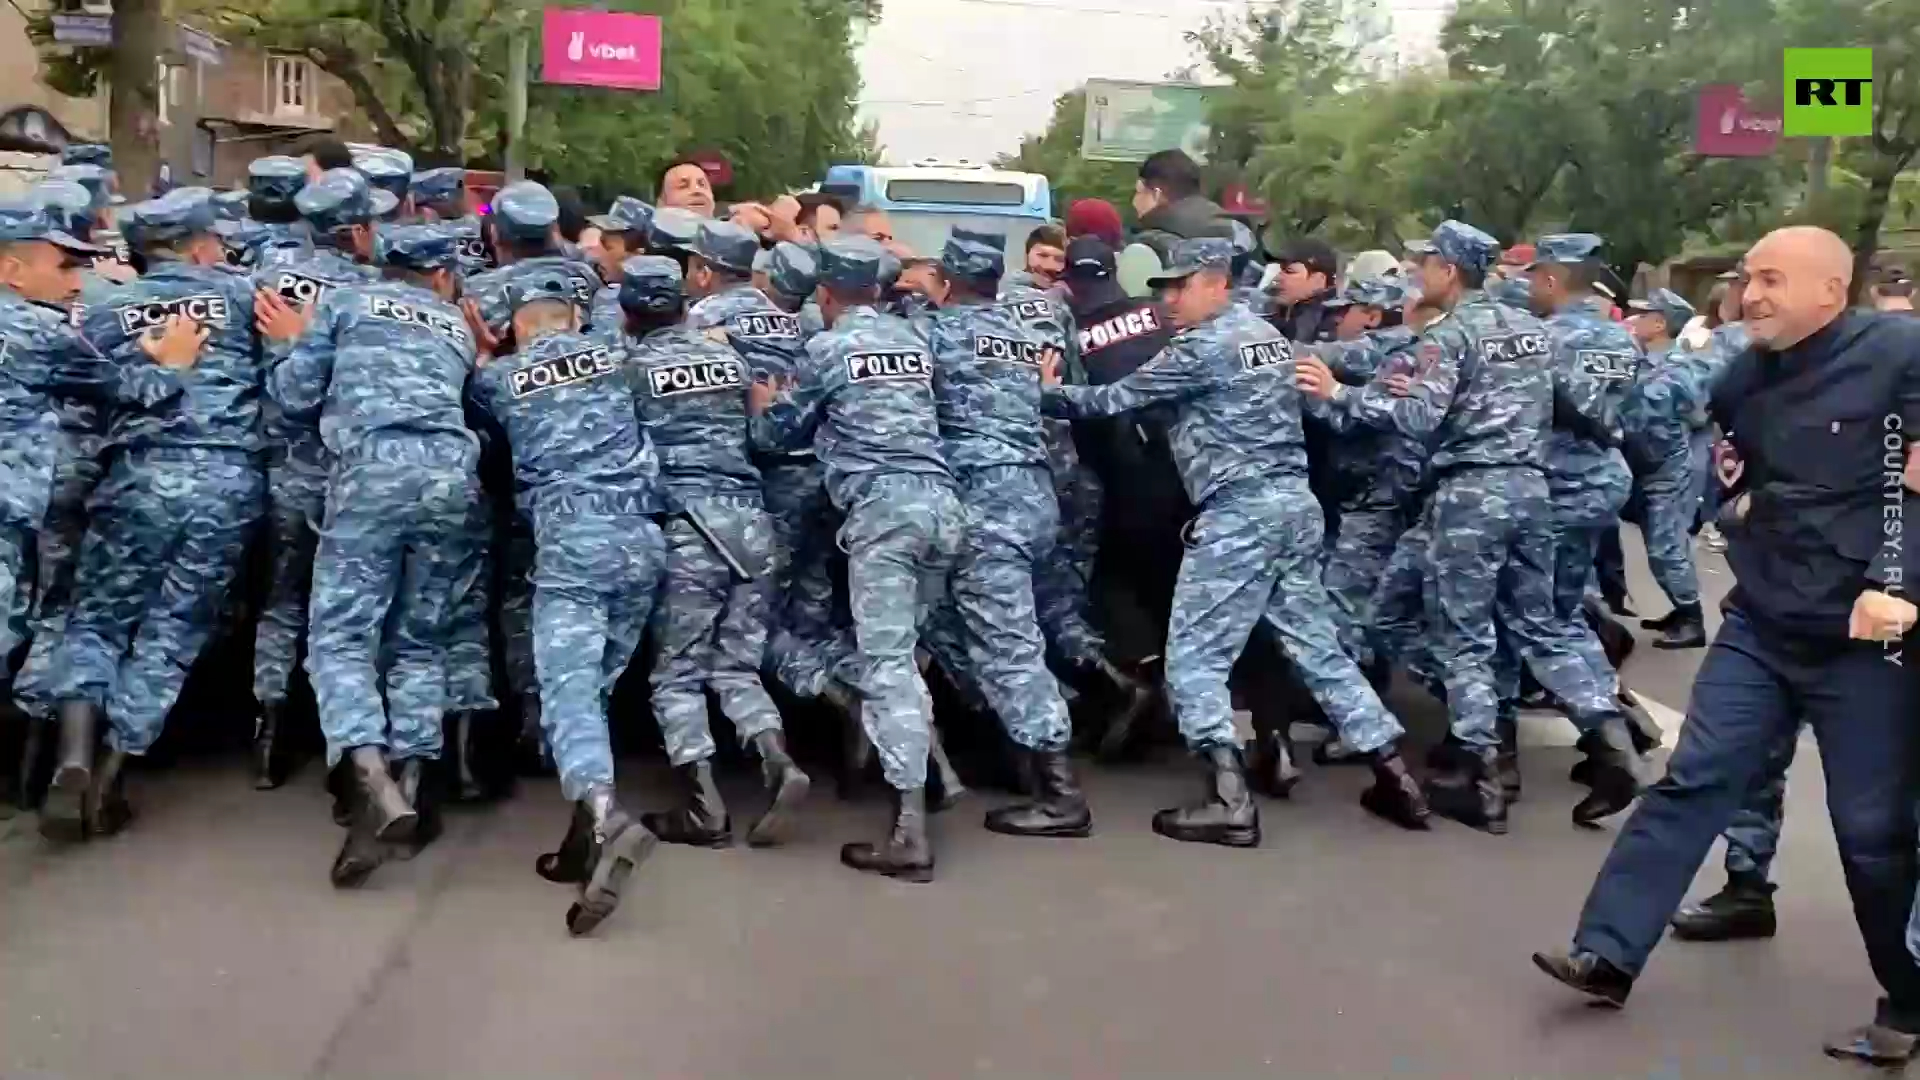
[1168, 202]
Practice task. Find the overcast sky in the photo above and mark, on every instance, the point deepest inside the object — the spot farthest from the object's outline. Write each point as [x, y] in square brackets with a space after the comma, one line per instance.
[968, 78]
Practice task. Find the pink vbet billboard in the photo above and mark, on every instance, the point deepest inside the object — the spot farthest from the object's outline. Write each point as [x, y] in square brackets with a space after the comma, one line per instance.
[600, 48]
[1727, 126]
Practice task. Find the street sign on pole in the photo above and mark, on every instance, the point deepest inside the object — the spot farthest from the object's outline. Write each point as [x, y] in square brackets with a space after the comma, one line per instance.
[201, 45]
[80, 29]
[1127, 121]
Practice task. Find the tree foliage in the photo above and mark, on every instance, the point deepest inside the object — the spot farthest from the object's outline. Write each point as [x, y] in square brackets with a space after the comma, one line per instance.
[1055, 154]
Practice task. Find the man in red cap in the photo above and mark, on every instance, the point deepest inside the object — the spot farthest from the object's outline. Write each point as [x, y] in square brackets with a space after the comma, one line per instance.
[1095, 217]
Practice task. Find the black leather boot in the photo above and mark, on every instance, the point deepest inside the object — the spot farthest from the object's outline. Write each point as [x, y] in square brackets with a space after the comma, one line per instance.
[420, 787]
[1611, 777]
[463, 780]
[1227, 817]
[1742, 911]
[1471, 794]
[569, 865]
[532, 756]
[1583, 971]
[787, 786]
[268, 770]
[1133, 696]
[946, 789]
[63, 814]
[108, 811]
[1688, 630]
[1395, 794]
[1642, 728]
[1059, 807]
[381, 818]
[1508, 768]
[907, 854]
[1273, 766]
[616, 845]
[703, 821]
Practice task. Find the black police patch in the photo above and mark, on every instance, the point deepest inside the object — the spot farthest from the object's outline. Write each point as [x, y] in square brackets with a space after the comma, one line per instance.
[1029, 310]
[888, 365]
[571, 369]
[694, 377]
[1102, 335]
[1264, 354]
[1606, 364]
[474, 250]
[209, 310]
[383, 307]
[763, 325]
[987, 347]
[1513, 348]
[583, 290]
[299, 288]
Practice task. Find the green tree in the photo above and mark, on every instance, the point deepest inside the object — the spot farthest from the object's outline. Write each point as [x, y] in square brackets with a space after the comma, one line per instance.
[1055, 154]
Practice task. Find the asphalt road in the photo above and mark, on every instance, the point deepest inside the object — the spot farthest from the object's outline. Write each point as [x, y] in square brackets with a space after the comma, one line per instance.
[207, 943]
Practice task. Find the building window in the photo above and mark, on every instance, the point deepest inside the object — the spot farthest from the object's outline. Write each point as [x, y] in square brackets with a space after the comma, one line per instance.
[166, 91]
[289, 85]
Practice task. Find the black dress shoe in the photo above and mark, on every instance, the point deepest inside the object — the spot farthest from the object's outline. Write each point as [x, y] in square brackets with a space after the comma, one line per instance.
[1395, 795]
[1227, 816]
[1058, 809]
[1742, 911]
[1607, 985]
[907, 854]
[786, 786]
[703, 820]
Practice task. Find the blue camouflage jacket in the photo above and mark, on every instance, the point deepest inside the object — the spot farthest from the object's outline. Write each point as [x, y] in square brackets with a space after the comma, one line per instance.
[693, 400]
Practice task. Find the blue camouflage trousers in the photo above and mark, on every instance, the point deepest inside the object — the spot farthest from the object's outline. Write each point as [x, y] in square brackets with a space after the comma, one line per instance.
[711, 630]
[469, 655]
[1063, 576]
[991, 633]
[167, 531]
[15, 584]
[800, 631]
[296, 499]
[58, 544]
[516, 551]
[381, 592]
[1255, 553]
[1355, 566]
[1487, 569]
[1582, 516]
[597, 567]
[901, 536]
[1672, 496]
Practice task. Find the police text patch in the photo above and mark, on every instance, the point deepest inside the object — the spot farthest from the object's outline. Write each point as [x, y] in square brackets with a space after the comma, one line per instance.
[1513, 348]
[892, 364]
[381, 307]
[762, 325]
[1264, 354]
[1029, 310]
[695, 377]
[1030, 353]
[556, 371]
[299, 288]
[1606, 364]
[210, 310]
[1120, 328]
[473, 250]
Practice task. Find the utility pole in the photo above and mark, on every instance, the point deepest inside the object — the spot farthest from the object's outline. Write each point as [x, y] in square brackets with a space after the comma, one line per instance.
[516, 105]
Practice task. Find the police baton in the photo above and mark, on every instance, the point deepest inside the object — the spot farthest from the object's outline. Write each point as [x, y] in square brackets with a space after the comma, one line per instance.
[719, 546]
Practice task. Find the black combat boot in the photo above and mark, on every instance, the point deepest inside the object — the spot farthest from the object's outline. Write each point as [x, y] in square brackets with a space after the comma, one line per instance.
[1273, 766]
[532, 756]
[63, 815]
[1688, 630]
[1741, 911]
[1228, 816]
[463, 780]
[1611, 776]
[1395, 794]
[269, 771]
[1133, 696]
[946, 789]
[1508, 762]
[1583, 971]
[1470, 792]
[616, 845]
[108, 811]
[420, 786]
[703, 821]
[907, 854]
[568, 866]
[1059, 807]
[787, 786]
[1642, 728]
[381, 818]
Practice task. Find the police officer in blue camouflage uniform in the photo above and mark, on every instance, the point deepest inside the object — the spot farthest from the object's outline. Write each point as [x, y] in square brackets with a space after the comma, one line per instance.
[567, 405]
[338, 212]
[1253, 550]
[863, 396]
[1481, 402]
[986, 384]
[169, 523]
[1663, 430]
[670, 233]
[623, 230]
[278, 236]
[440, 196]
[793, 272]
[710, 627]
[390, 171]
[1594, 363]
[382, 367]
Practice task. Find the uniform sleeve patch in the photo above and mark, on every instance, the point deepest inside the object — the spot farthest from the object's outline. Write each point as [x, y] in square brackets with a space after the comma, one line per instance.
[694, 377]
[1258, 355]
[888, 365]
[1607, 364]
[570, 369]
